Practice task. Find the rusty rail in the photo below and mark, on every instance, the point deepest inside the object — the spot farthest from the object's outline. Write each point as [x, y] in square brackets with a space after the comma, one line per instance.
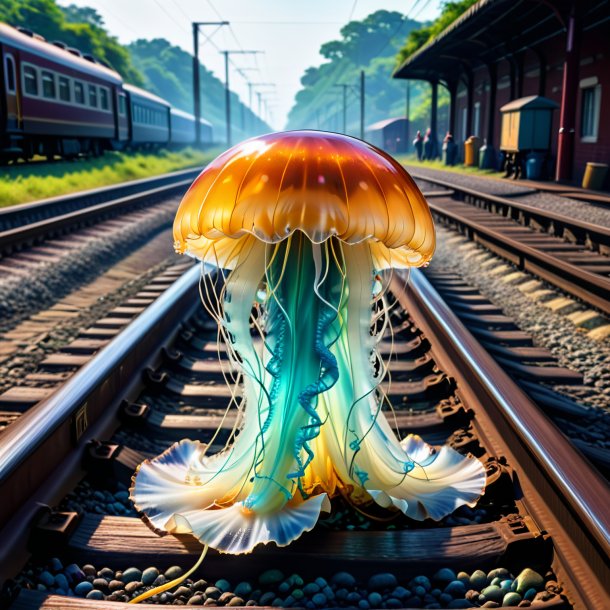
[561, 489]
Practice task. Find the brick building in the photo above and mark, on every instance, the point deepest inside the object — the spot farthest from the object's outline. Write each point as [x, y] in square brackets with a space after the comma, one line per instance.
[501, 50]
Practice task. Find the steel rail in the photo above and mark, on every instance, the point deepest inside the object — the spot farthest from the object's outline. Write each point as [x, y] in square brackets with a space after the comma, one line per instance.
[562, 490]
[14, 239]
[590, 287]
[580, 229]
[33, 447]
[26, 213]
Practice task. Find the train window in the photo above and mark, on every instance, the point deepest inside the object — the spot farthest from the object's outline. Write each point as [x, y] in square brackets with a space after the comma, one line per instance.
[122, 107]
[64, 88]
[93, 96]
[48, 84]
[30, 79]
[104, 98]
[79, 93]
[9, 65]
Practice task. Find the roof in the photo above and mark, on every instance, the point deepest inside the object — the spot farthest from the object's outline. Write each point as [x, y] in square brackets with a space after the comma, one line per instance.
[151, 97]
[384, 123]
[13, 37]
[189, 116]
[480, 35]
[531, 102]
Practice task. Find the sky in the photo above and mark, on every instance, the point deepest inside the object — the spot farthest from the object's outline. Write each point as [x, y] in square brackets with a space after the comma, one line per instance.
[288, 32]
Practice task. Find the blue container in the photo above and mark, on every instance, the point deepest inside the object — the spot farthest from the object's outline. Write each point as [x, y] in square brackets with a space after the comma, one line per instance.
[534, 166]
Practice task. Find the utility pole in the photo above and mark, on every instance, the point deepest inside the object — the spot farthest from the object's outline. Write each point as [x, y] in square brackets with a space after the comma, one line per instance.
[196, 84]
[408, 122]
[228, 91]
[362, 104]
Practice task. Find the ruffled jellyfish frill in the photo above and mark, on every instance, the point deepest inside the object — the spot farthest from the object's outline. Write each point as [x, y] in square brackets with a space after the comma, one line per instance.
[295, 231]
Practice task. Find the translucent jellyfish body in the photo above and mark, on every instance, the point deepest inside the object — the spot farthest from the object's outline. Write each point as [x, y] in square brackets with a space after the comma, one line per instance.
[298, 232]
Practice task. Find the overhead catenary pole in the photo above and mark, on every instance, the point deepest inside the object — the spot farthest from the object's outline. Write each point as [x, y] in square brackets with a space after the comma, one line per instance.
[408, 116]
[196, 81]
[227, 54]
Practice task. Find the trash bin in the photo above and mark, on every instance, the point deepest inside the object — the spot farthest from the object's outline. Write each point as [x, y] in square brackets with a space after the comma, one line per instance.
[449, 152]
[471, 151]
[595, 174]
[534, 165]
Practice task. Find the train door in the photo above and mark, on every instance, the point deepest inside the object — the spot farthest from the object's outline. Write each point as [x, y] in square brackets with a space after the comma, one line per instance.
[10, 87]
[122, 131]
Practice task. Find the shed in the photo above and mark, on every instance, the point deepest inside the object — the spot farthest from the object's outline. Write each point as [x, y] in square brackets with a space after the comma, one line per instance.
[526, 124]
[389, 134]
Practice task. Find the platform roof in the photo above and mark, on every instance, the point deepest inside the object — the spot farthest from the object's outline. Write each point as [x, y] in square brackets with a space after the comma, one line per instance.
[491, 30]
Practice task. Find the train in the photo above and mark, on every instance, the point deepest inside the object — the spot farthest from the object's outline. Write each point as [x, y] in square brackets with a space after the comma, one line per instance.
[57, 101]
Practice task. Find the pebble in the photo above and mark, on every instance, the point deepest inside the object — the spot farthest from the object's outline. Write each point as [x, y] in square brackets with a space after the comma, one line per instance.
[456, 588]
[82, 588]
[46, 578]
[375, 599]
[243, 589]
[133, 586]
[149, 575]
[380, 582]
[89, 570]
[493, 593]
[236, 601]
[343, 579]
[100, 583]
[173, 572]
[131, 575]
[95, 594]
[223, 585]
[213, 593]
[319, 599]
[478, 579]
[423, 581]
[115, 585]
[196, 600]
[61, 582]
[444, 576]
[271, 577]
[528, 579]
[511, 599]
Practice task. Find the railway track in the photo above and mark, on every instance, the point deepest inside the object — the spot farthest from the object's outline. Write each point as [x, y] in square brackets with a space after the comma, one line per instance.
[568, 253]
[160, 380]
[25, 225]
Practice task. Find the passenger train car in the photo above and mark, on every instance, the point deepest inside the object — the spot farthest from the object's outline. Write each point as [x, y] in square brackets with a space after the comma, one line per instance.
[56, 101]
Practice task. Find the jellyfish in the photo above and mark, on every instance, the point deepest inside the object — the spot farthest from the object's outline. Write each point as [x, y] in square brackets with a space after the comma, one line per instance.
[297, 233]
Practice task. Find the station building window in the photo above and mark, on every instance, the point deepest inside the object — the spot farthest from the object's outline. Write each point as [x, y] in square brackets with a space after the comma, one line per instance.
[9, 71]
[589, 120]
[79, 93]
[30, 80]
[64, 88]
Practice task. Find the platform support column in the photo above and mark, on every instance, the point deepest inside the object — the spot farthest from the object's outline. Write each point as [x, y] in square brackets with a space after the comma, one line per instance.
[567, 117]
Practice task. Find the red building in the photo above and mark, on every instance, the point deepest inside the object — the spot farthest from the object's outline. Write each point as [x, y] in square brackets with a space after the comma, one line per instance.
[501, 50]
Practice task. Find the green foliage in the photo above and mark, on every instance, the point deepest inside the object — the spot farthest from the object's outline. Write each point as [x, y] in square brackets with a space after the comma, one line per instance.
[168, 72]
[370, 45]
[21, 183]
[82, 28]
[416, 39]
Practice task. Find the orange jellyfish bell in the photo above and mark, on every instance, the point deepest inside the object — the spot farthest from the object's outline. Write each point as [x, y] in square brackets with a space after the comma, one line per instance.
[323, 184]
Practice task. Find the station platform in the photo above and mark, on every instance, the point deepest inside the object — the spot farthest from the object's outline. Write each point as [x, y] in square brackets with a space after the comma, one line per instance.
[566, 199]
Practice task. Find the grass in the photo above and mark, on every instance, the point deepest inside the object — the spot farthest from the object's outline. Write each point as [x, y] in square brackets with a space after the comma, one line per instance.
[30, 182]
[459, 169]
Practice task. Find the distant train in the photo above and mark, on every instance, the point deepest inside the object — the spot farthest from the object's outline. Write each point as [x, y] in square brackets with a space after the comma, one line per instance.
[56, 101]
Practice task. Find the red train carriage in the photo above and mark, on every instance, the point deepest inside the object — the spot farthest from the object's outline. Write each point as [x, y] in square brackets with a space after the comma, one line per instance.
[54, 101]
